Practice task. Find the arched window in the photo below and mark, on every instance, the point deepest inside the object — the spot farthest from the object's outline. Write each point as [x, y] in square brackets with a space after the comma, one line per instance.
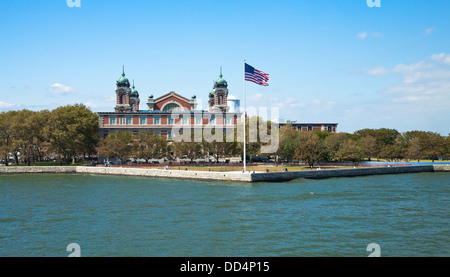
[220, 99]
[172, 107]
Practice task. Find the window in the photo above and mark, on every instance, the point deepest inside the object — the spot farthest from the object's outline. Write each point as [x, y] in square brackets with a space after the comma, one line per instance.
[330, 128]
[310, 128]
[112, 121]
[198, 120]
[169, 135]
[299, 127]
[212, 120]
[128, 121]
[170, 120]
[172, 107]
[156, 120]
[186, 120]
[142, 120]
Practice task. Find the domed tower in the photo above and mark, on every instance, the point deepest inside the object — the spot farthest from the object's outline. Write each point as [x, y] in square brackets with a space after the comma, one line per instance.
[123, 93]
[134, 99]
[218, 96]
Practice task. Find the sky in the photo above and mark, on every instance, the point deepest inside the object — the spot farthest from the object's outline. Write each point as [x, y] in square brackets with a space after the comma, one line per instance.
[330, 61]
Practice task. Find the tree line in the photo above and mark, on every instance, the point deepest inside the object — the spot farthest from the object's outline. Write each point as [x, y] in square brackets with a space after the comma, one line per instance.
[365, 144]
[72, 132]
[64, 134]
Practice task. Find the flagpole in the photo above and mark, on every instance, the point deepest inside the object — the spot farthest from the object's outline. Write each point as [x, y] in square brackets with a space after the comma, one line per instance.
[245, 123]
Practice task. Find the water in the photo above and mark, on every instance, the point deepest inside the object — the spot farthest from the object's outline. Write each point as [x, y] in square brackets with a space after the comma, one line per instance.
[406, 214]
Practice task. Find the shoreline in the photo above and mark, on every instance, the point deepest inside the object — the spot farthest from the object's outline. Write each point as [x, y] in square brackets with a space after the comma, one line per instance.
[227, 176]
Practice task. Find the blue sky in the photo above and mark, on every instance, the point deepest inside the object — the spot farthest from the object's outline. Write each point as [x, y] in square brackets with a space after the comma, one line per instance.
[329, 61]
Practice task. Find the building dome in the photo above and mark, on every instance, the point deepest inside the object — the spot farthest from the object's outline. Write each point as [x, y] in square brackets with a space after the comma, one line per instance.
[123, 81]
[221, 80]
[134, 92]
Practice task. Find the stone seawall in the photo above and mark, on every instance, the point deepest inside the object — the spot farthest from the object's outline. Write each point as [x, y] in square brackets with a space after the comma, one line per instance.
[353, 172]
[441, 167]
[181, 174]
[37, 169]
[225, 176]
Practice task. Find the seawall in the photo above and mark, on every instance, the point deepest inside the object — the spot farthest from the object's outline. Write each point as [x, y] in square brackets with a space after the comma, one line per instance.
[352, 172]
[225, 176]
[159, 173]
[36, 169]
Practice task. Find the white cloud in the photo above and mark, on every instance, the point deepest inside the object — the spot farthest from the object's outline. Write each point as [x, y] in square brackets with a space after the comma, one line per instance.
[425, 82]
[362, 35]
[379, 70]
[443, 58]
[429, 30]
[60, 89]
[90, 105]
[401, 69]
[5, 105]
[256, 97]
[110, 98]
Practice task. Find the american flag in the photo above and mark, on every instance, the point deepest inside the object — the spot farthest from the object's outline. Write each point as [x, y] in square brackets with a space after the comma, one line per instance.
[256, 76]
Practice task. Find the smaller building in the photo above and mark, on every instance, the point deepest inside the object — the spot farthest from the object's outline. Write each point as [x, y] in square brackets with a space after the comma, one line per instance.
[329, 127]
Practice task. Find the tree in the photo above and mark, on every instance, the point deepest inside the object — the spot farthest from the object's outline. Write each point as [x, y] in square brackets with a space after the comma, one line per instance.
[5, 136]
[308, 147]
[368, 146]
[148, 145]
[447, 147]
[332, 143]
[117, 145]
[349, 150]
[383, 137]
[72, 130]
[414, 150]
[287, 143]
[433, 145]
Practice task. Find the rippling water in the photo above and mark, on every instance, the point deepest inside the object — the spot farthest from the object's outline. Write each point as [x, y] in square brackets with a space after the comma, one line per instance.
[406, 214]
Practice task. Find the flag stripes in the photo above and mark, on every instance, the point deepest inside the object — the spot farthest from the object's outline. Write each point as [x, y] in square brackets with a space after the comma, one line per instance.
[256, 76]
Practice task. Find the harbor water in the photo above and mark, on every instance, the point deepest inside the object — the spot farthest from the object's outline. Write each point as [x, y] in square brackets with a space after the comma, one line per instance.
[407, 215]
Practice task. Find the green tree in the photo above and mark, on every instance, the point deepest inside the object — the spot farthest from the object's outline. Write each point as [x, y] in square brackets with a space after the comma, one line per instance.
[6, 138]
[414, 150]
[308, 147]
[332, 143]
[433, 145]
[117, 145]
[72, 130]
[383, 138]
[368, 146]
[287, 144]
[349, 150]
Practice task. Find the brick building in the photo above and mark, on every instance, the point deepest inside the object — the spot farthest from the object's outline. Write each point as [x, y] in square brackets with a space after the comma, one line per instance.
[329, 127]
[169, 111]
